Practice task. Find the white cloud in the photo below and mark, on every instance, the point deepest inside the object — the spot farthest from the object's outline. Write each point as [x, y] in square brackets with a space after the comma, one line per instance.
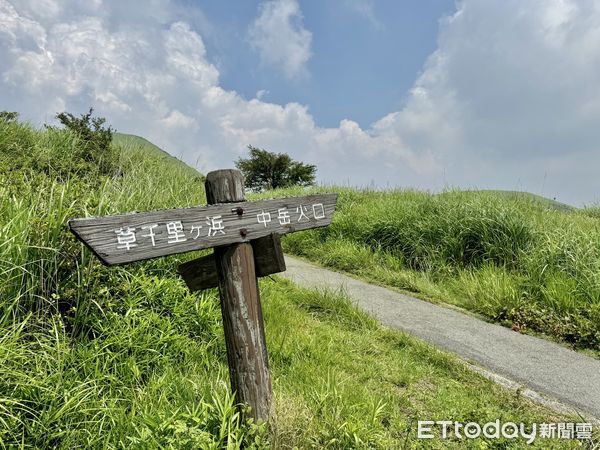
[155, 80]
[280, 38]
[261, 93]
[366, 9]
[511, 89]
[508, 100]
[178, 120]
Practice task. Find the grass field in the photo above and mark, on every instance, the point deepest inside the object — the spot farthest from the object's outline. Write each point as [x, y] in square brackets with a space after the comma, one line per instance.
[514, 258]
[126, 357]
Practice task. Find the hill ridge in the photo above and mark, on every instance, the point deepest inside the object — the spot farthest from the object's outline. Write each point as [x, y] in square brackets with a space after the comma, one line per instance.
[125, 139]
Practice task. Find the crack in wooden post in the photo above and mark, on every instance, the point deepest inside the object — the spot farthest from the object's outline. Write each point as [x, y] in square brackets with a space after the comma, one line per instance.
[240, 307]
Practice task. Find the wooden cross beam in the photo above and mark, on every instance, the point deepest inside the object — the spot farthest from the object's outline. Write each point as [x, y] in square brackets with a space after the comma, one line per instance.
[245, 237]
[201, 273]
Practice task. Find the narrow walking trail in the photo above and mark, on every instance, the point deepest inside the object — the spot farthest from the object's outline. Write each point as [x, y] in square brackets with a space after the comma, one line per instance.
[564, 375]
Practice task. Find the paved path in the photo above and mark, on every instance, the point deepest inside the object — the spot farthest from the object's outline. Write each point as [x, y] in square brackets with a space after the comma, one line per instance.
[548, 368]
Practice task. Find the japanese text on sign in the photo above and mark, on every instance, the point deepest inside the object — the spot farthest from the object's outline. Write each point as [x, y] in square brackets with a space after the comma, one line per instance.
[176, 232]
[125, 238]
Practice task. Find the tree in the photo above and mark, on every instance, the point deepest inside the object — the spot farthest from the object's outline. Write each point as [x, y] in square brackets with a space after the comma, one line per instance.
[90, 130]
[94, 147]
[267, 170]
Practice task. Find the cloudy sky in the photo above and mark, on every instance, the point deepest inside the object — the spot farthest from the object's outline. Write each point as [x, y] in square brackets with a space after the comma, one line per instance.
[434, 94]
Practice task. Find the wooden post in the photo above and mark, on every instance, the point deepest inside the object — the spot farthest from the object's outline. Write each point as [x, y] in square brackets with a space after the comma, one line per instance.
[240, 306]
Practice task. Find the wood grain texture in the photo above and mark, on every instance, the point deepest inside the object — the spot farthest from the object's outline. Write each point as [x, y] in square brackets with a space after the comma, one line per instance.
[268, 255]
[201, 273]
[241, 309]
[244, 330]
[224, 186]
[240, 221]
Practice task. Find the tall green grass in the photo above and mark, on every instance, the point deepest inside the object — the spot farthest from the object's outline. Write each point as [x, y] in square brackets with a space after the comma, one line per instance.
[514, 259]
[90, 356]
[126, 357]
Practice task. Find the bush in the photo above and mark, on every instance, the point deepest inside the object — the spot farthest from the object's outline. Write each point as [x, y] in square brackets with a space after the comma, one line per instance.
[8, 116]
[90, 151]
[82, 147]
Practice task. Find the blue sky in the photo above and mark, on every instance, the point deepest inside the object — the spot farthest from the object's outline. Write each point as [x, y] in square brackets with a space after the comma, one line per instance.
[362, 64]
[422, 94]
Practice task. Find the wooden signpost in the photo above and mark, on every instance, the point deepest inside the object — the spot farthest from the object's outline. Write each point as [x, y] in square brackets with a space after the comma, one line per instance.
[245, 237]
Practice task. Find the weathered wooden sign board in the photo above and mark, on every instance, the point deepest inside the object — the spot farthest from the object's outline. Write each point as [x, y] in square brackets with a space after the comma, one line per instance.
[245, 237]
[127, 238]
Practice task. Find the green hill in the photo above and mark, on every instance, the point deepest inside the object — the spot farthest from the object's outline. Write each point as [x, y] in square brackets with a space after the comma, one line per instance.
[153, 151]
[126, 357]
[519, 196]
[132, 139]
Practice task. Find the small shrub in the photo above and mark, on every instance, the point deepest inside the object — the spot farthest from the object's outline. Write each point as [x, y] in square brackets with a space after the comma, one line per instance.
[90, 151]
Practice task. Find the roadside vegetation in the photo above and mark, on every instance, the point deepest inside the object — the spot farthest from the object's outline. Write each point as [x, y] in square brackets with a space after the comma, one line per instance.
[526, 262]
[126, 357]
[264, 170]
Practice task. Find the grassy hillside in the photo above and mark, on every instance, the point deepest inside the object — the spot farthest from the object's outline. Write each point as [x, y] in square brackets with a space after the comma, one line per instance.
[152, 151]
[521, 197]
[518, 260]
[126, 357]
